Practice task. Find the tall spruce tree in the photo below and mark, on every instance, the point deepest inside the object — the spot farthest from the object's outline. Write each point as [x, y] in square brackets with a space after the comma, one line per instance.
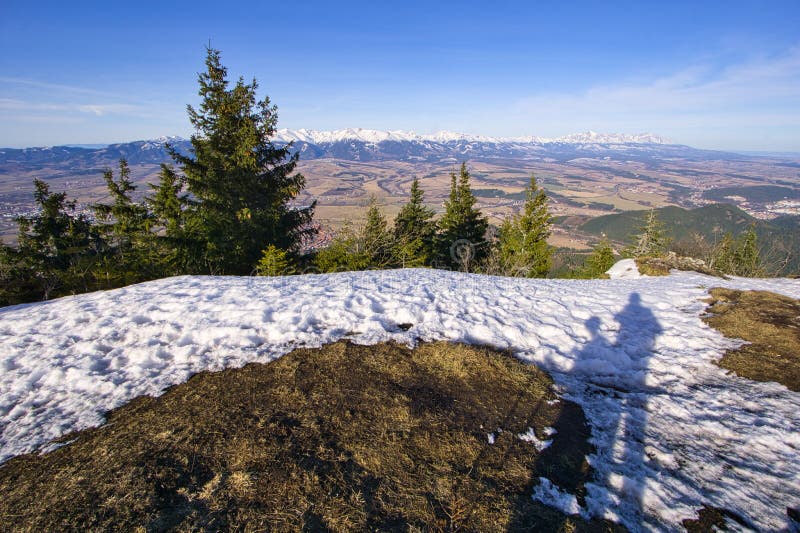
[241, 182]
[414, 230]
[462, 228]
[522, 246]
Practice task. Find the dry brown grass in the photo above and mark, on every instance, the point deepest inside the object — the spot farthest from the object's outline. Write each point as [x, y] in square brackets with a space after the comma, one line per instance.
[651, 266]
[661, 266]
[710, 519]
[342, 438]
[770, 323]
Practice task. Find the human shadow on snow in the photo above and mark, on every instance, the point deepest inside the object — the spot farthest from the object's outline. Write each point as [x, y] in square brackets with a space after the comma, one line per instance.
[611, 374]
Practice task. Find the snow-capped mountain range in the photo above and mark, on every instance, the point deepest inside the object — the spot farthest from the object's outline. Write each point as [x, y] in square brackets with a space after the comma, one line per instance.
[357, 144]
[378, 136]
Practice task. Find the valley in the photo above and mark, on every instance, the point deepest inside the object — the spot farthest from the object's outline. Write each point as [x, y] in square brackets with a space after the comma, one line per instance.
[586, 175]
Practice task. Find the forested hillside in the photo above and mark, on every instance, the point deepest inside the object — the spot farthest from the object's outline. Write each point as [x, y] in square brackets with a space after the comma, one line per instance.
[779, 238]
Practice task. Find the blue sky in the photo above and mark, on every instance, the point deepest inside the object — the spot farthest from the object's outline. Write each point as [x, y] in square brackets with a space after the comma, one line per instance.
[709, 74]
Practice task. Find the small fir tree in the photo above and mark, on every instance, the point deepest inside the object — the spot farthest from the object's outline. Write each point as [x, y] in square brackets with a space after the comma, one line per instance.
[125, 227]
[177, 238]
[376, 239]
[522, 245]
[462, 228]
[275, 262]
[345, 252]
[740, 256]
[651, 241]
[722, 255]
[747, 257]
[598, 263]
[168, 201]
[414, 230]
[369, 245]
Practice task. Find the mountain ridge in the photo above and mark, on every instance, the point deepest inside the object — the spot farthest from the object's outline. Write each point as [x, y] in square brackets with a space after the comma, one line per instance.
[358, 144]
[312, 136]
[369, 135]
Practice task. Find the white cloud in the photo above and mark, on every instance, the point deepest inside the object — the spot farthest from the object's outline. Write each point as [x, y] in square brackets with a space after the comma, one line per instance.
[759, 92]
[110, 109]
[25, 82]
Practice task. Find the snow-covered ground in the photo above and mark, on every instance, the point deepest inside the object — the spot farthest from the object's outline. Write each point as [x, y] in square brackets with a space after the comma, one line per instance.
[672, 430]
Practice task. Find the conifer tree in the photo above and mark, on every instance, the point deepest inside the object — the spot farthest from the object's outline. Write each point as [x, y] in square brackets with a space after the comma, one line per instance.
[168, 201]
[376, 238]
[368, 245]
[414, 230]
[462, 228]
[522, 245]
[125, 228]
[123, 219]
[722, 256]
[598, 263]
[56, 247]
[345, 252]
[747, 257]
[241, 182]
[176, 239]
[651, 241]
[275, 262]
[740, 256]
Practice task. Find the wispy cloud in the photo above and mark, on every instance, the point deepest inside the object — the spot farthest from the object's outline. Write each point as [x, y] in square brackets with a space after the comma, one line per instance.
[738, 95]
[26, 82]
[12, 104]
[113, 109]
[96, 109]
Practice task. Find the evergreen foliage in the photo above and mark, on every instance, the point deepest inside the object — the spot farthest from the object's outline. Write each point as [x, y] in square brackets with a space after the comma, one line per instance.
[167, 204]
[462, 229]
[344, 253]
[414, 230]
[522, 245]
[651, 241]
[370, 245]
[124, 226]
[240, 182]
[377, 240]
[738, 257]
[275, 262]
[226, 212]
[601, 259]
[55, 252]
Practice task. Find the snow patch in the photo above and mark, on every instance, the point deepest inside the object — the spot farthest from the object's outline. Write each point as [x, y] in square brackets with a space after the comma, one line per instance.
[624, 269]
[549, 494]
[530, 436]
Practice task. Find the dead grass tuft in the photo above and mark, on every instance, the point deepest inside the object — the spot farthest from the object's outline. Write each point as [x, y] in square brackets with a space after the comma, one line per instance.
[340, 438]
[661, 266]
[770, 323]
